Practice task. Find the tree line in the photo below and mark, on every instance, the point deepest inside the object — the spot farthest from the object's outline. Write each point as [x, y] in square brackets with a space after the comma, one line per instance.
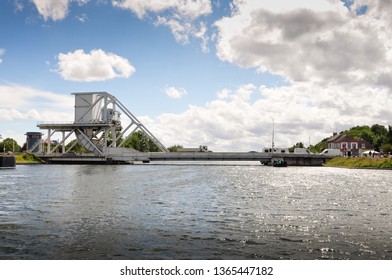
[376, 135]
[9, 145]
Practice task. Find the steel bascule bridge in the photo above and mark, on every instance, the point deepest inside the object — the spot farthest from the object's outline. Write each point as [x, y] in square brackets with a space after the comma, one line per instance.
[98, 127]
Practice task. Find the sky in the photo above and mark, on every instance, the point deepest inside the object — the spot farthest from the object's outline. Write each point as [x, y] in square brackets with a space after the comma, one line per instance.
[200, 72]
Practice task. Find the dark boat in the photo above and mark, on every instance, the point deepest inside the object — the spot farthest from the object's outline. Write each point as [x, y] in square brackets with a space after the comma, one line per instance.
[279, 162]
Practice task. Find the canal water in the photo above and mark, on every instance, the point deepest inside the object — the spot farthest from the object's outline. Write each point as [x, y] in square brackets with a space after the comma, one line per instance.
[194, 212]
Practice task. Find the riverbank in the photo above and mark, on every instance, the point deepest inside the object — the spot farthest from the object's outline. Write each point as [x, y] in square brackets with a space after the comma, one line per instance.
[27, 159]
[376, 163]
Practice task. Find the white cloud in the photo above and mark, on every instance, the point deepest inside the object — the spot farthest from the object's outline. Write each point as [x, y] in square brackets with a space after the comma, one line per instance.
[55, 9]
[184, 8]
[18, 6]
[52, 9]
[318, 41]
[2, 51]
[20, 102]
[184, 30]
[22, 107]
[338, 65]
[201, 34]
[82, 2]
[82, 18]
[223, 94]
[95, 66]
[236, 122]
[180, 16]
[179, 29]
[175, 93]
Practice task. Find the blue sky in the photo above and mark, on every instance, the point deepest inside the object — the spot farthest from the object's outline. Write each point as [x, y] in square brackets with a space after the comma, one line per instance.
[200, 72]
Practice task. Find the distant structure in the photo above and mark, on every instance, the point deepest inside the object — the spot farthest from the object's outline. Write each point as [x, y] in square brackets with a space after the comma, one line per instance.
[201, 148]
[98, 127]
[33, 142]
[349, 145]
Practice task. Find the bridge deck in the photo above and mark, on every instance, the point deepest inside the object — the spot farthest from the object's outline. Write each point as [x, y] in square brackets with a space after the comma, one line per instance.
[127, 157]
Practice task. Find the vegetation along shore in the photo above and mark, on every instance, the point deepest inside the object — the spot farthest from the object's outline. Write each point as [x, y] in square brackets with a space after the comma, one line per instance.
[25, 158]
[376, 163]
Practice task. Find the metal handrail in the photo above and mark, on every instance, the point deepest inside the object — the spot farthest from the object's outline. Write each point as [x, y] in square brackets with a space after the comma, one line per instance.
[66, 122]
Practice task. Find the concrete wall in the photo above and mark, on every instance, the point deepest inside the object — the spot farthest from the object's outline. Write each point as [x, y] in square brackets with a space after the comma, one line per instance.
[7, 161]
[306, 161]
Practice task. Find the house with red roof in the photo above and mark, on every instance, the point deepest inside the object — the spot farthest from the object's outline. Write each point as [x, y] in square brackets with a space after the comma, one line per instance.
[349, 145]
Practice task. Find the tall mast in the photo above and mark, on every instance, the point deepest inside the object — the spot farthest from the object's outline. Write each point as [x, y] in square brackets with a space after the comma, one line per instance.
[273, 132]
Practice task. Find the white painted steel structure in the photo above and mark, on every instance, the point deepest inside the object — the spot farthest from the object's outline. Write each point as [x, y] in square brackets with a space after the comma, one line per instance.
[98, 127]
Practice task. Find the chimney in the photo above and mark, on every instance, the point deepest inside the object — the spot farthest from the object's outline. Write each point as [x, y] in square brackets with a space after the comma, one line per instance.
[334, 134]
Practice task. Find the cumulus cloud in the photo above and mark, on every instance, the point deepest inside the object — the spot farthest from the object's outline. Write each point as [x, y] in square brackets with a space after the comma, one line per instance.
[179, 15]
[319, 40]
[223, 124]
[20, 102]
[52, 9]
[337, 62]
[175, 93]
[22, 107]
[236, 122]
[94, 66]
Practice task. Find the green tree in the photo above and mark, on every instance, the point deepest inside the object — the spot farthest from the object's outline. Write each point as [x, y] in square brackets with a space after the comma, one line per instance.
[320, 146]
[9, 145]
[379, 129]
[175, 148]
[298, 145]
[141, 142]
[386, 148]
[77, 147]
[377, 135]
[380, 135]
[118, 138]
[358, 131]
[389, 135]
[368, 136]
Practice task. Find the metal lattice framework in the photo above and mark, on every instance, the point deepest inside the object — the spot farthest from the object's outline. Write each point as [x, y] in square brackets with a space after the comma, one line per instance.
[97, 125]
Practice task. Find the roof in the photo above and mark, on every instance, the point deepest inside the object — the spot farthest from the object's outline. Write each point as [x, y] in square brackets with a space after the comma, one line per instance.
[344, 138]
[347, 138]
[335, 138]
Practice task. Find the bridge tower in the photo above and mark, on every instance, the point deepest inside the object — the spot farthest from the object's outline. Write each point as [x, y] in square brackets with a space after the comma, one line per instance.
[98, 126]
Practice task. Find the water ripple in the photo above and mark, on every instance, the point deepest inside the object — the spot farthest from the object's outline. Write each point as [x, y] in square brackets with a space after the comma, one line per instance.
[194, 212]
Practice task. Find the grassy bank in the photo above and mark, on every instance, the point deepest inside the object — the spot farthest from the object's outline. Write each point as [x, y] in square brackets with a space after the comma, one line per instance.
[377, 163]
[27, 159]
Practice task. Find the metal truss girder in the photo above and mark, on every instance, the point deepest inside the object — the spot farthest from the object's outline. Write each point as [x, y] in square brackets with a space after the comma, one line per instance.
[90, 142]
[62, 140]
[141, 126]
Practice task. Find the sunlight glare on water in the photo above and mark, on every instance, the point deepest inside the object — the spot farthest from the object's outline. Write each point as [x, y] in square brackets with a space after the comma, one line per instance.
[194, 212]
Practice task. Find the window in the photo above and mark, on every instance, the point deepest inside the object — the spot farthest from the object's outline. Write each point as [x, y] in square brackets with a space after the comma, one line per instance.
[354, 145]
